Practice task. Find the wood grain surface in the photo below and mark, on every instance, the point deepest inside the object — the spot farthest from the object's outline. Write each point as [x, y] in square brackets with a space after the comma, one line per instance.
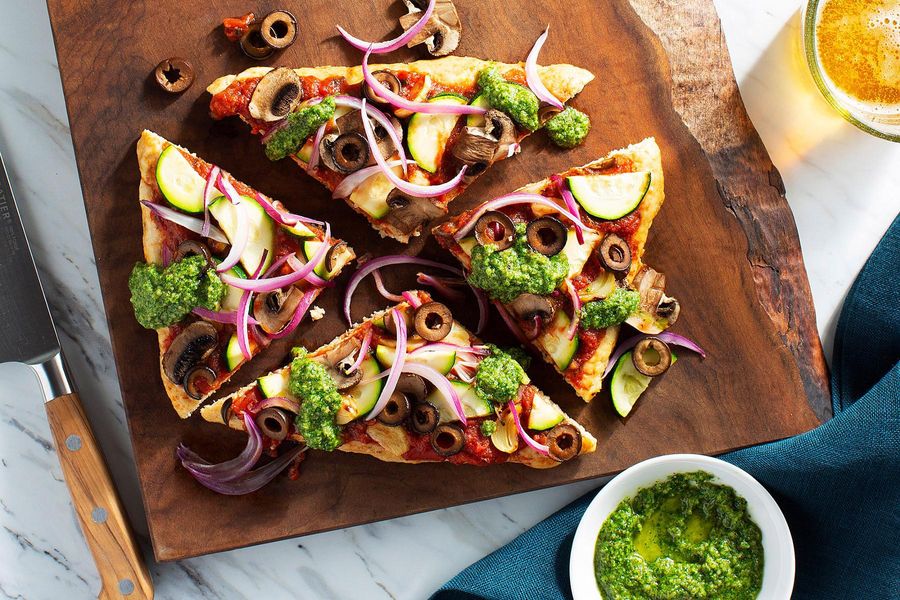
[725, 239]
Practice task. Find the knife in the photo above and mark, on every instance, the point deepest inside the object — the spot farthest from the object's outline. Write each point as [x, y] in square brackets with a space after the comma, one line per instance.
[27, 335]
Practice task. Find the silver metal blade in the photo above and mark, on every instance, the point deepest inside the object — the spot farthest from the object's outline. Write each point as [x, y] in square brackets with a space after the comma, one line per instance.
[26, 329]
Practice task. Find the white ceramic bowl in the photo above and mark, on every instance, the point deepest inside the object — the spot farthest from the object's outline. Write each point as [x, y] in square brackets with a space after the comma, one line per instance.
[778, 547]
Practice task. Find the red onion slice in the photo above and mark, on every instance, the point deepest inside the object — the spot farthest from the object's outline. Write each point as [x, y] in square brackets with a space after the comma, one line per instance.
[379, 285]
[281, 216]
[398, 101]
[243, 313]
[239, 244]
[284, 402]
[570, 201]
[349, 184]
[311, 278]
[413, 189]
[300, 312]
[532, 77]
[539, 448]
[436, 346]
[363, 351]
[517, 198]
[314, 153]
[228, 189]
[411, 299]
[220, 317]
[188, 222]
[668, 337]
[576, 309]
[441, 383]
[207, 189]
[382, 119]
[397, 368]
[440, 285]
[482, 300]
[393, 44]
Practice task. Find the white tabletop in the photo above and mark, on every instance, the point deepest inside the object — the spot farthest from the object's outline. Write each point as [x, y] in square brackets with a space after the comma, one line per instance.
[841, 184]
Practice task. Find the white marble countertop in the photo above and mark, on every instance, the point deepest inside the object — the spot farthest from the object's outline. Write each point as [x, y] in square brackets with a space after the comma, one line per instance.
[842, 186]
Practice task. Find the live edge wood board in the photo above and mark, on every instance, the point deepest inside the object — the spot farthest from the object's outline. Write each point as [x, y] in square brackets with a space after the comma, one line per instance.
[725, 239]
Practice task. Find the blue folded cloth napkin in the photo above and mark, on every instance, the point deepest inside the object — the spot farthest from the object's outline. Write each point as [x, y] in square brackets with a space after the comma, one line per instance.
[838, 485]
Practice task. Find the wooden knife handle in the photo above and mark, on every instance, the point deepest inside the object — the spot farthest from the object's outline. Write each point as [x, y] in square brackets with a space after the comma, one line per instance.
[119, 561]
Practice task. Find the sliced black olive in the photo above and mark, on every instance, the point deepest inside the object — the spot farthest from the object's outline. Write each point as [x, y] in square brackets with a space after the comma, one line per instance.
[276, 95]
[174, 75]
[651, 356]
[279, 29]
[424, 417]
[413, 386]
[254, 45]
[528, 306]
[546, 235]
[192, 248]
[189, 348]
[564, 442]
[350, 152]
[273, 423]
[494, 227]
[408, 213]
[225, 411]
[395, 411]
[334, 254]
[343, 373]
[615, 254]
[547, 112]
[433, 321]
[388, 80]
[198, 381]
[448, 439]
[392, 327]
[274, 310]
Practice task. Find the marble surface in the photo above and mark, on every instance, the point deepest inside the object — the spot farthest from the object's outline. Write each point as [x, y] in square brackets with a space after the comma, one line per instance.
[842, 186]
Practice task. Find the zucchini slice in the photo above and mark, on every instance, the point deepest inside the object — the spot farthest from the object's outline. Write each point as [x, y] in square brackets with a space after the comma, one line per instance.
[478, 120]
[233, 355]
[544, 414]
[610, 197]
[555, 341]
[181, 185]
[441, 361]
[427, 135]
[232, 294]
[262, 229]
[365, 395]
[627, 384]
[473, 404]
[274, 384]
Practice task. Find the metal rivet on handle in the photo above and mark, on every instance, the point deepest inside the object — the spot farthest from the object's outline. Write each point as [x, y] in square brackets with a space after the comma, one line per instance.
[98, 515]
[73, 443]
[126, 586]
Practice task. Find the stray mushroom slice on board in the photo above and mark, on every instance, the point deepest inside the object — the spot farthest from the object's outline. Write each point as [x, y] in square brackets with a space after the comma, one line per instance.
[442, 31]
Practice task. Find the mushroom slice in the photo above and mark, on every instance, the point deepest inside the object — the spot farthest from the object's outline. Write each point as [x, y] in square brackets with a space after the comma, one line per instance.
[343, 373]
[276, 95]
[408, 213]
[494, 227]
[273, 310]
[192, 248]
[395, 410]
[424, 417]
[198, 381]
[498, 125]
[189, 348]
[448, 439]
[652, 357]
[352, 123]
[433, 321]
[657, 311]
[333, 255]
[547, 236]
[441, 32]
[564, 442]
[392, 327]
[528, 306]
[388, 80]
[413, 386]
[476, 149]
[273, 422]
[615, 254]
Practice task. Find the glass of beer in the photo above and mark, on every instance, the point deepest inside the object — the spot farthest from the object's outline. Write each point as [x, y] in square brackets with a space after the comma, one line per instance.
[852, 48]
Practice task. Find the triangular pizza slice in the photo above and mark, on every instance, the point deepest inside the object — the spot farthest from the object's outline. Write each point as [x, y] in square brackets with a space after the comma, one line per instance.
[562, 259]
[445, 115]
[409, 384]
[226, 268]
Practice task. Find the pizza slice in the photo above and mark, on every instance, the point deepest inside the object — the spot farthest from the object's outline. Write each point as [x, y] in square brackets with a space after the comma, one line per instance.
[409, 384]
[216, 291]
[563, 260]
[451, 117]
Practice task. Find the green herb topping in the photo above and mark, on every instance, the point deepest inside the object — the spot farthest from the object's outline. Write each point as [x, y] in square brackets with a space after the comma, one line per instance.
[515, 100]
[162, 297]
[300, 125]
[569, 128]
[319, 402]
[612, 310]
[498, 377]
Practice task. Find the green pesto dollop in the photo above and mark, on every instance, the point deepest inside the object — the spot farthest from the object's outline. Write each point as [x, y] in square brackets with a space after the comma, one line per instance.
[515, 100]
[319, 402]
[162, 297]
[682, 538]
[504, 274]
[612, 310]
[488, 428]
[499, 376]
[300, 125]
[569, 128]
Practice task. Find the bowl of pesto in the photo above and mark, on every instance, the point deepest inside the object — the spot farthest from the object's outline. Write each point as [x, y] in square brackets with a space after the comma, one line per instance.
[682, 526]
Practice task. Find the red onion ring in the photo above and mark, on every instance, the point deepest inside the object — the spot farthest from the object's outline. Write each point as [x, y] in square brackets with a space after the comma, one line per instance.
[351, 102]
[243, 313]
[284, 402]
[576, 309]
[393, 44]
[275, 128]
[482, 300]
[435, 346]
[668, 337]
[308, 298]
[238, 245]
[411, 299]
[413, 189]
[517, 198]
[228, 189]
[188, 222]
[363, 351]
[296, 264]
[349, 184]
[441, 383]
[276, 211]
[570, 201]
[539, 448]
[210, 185]
[397, 368]
[314, 153]
[534, 79]
[379, 285]
[439, 285]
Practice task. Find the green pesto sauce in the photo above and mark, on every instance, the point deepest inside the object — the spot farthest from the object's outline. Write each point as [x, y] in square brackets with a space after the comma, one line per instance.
[320, 401]
[488, 428]
[498, 377]
[569, 128]
[162, 297]
[515, 100]
[612, 310]
[300, 125]
[682, 538]
[504, 274]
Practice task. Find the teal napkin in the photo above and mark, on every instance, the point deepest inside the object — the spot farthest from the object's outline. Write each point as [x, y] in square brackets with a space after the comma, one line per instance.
[838, 485]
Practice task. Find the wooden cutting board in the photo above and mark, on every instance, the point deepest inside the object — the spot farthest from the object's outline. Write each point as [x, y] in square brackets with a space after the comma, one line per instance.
[725, 239]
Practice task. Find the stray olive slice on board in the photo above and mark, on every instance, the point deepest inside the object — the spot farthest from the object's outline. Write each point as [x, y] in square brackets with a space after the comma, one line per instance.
[448, 439]
[254, 45]
[615, 254]
[198, 381]
[388, 80]
[433, 321]
[546, 236]
[652, 357]
[395, 410]
[273, 423]
[174, 75]
[279, 29]
[494, 227]
[424, 417]
[564, 442]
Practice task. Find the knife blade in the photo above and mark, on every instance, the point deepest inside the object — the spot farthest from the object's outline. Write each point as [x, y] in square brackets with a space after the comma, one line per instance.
[27, 335]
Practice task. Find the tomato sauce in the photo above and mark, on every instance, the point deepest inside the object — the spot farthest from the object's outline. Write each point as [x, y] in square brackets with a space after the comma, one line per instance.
[590, 340]
[478, 449]
[246, 401]
[233, 100]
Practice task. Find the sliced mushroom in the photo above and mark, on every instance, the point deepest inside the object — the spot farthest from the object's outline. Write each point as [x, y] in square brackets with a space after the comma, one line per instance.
[497, 124]
[615, 254]
[547, 112]
[433, 321]
[476, 149]
[352, 123]
[395, 411]
[276, 95]
[189, 348]
[392, 327]
[547, 236]
[564, 442]
[528, 306]
[424, 417]
[413, 386]
[333, 255]
[651, 285]
[408, 213]
[279, 29]
[273, 422]
[344, 374]
[253, 44]
[494, 227]
[441, 32]
[651, 356]
[198, 381]
[388, 80]
[448, 439]
[192, 248]
[656, 311]
[273, 310]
